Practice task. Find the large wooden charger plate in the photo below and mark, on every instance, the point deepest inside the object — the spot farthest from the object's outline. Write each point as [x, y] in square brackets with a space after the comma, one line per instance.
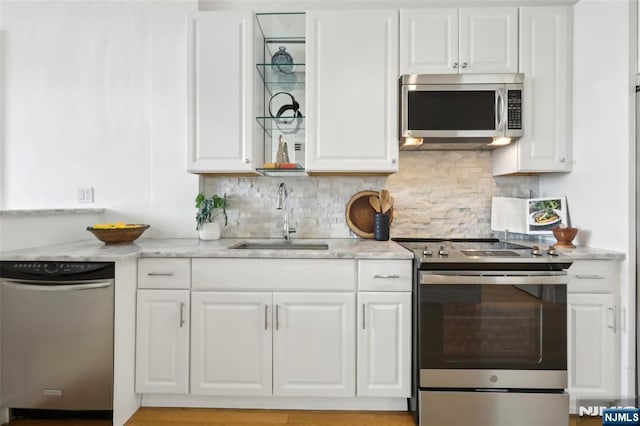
[359, 214]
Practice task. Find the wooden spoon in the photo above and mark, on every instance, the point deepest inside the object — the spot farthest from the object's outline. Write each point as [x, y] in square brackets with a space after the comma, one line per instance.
[384, 201]
[375, 203]
[389, 205]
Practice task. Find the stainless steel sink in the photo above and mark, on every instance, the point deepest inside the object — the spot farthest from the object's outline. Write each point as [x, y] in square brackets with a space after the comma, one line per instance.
[280, 245]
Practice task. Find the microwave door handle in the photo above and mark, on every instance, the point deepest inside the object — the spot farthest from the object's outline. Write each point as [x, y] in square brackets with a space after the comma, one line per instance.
[501, 113]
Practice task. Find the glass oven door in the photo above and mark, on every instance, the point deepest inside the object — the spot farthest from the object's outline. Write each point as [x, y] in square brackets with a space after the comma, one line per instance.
[492, 320]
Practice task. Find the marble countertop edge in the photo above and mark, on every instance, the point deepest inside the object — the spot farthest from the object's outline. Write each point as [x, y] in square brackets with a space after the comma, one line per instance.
[347, 248]
[52, 211]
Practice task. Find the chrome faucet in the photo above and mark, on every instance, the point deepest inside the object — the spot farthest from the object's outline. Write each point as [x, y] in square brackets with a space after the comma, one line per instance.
[282, 204]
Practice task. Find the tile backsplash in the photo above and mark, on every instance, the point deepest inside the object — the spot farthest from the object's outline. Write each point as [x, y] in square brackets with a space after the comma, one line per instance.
[437, 193]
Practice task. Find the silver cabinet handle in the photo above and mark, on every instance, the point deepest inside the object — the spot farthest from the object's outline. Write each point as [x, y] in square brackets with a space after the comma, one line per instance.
[266, 322]
[464, 64]
[247, 161]
[386, 276]
[590, 277]
[277, 317]
[612, 325]
[181, 315]
[364, 326]
[160, 274]
[455, 65]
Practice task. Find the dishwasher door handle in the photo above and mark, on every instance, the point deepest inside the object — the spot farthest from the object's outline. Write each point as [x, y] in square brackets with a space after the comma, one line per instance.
[30, 285]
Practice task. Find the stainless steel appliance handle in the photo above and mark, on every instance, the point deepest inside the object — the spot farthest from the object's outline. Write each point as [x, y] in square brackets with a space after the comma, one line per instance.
[34, 285]
[501, 110]
[447, 279]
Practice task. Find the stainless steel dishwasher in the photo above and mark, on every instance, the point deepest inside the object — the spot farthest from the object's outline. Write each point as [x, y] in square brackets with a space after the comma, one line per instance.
[56, 335]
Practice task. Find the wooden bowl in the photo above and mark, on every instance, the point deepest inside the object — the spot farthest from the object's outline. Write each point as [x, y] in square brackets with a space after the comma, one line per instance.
[359, 214]
[118, 235]
[564, 236]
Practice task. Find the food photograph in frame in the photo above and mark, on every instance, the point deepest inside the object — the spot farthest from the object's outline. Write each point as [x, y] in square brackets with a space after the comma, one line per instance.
[543, 214]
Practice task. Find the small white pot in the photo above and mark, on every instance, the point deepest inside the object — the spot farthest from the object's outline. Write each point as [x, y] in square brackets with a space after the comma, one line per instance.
[209, 231]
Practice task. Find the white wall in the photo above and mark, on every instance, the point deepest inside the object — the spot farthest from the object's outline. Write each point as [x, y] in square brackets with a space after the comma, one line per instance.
[601, 188]
[94, 95]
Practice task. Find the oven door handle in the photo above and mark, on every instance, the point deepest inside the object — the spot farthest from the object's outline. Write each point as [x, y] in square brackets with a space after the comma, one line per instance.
[442, 279]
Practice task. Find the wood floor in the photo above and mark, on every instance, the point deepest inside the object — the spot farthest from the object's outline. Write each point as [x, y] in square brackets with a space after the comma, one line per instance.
[218, 417]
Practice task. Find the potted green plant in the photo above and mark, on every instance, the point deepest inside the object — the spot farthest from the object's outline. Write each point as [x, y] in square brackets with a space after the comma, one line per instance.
[209, 208]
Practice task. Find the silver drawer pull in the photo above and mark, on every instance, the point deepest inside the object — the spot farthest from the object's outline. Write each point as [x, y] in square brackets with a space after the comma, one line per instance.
[160, 274]
[386, 276]
[590, 277]
[181, 315]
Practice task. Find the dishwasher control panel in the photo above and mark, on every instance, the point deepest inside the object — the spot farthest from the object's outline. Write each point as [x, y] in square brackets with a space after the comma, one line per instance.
[50, 270]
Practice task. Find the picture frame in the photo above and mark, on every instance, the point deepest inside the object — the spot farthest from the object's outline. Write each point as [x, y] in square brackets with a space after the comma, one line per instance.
[544, 214]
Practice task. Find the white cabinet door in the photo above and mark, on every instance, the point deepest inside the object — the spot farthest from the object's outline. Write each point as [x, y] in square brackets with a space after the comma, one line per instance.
[384, 344]
[545, 60]
[465, 41]
[429, 41]
[594, 347]
[352, 91]
[220, 92]
[231, 343]
[488, 40]
[162, 341]
[314, 350]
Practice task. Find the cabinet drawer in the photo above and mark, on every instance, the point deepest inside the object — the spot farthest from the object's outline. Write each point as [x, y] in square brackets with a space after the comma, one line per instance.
[164, 273]
[274, 274]
[593, 276]
[385, 275]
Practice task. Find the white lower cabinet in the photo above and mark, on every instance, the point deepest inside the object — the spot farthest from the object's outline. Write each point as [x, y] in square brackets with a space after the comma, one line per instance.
[313, 337]
[593, 348]
[384, 344]
[230, 343]
[264, 328]
[162, 341]
[314, 344]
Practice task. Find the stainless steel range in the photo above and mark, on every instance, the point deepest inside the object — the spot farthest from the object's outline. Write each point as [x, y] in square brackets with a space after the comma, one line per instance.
[489, 333]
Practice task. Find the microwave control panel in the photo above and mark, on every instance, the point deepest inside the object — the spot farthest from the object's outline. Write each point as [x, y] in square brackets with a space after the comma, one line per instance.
[514, 109]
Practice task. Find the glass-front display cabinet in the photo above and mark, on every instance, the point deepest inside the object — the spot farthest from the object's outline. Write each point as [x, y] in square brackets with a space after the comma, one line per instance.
[280, 91]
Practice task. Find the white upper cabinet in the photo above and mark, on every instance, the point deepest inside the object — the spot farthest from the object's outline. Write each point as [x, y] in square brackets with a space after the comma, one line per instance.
[545, 61]
[452, 41]
[429, 41]
[352, 91]
[220, 76]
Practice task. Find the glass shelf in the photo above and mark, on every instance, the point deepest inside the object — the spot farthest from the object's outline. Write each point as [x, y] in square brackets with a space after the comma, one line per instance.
[286, 126]
[281, 172]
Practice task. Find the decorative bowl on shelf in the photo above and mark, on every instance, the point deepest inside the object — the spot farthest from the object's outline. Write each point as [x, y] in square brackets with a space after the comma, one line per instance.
[117, 233]
[564, 236]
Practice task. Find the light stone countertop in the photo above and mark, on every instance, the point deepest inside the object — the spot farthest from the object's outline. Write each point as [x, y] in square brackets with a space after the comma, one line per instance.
[578, 253]
[94, 250]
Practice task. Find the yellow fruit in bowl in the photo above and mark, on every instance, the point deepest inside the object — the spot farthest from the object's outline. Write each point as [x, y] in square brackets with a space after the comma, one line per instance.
[116, 225]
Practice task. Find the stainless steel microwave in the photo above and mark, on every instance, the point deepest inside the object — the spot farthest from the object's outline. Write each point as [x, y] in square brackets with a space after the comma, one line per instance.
[460, 111]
